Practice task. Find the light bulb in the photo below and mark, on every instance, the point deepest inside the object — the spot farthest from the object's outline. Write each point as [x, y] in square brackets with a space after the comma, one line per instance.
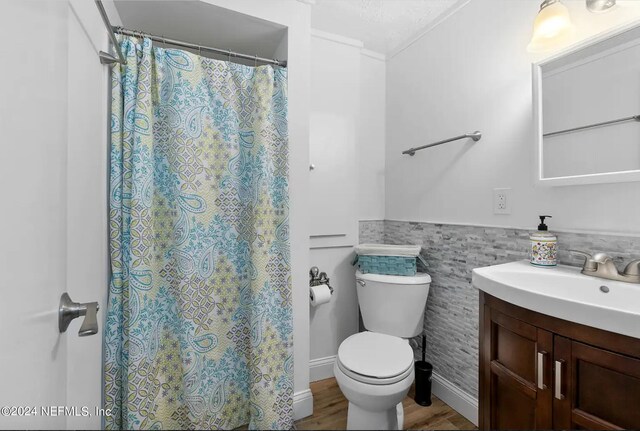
[551, 28]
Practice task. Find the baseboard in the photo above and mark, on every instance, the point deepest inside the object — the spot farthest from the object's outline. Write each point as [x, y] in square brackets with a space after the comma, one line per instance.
[302, 404]
[321, 368]
[455, 397]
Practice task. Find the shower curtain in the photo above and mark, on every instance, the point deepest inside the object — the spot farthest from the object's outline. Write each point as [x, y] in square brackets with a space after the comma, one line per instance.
[199, 329]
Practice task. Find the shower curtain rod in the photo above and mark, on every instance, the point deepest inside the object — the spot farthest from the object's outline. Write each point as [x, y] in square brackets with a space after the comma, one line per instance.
[182, 44]
[105, 57]
[108, 58]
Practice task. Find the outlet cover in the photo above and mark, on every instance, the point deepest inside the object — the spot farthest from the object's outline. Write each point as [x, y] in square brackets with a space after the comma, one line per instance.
[502, 201]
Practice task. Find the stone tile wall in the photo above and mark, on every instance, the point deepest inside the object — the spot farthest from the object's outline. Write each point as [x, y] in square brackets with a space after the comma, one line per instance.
[371, 231]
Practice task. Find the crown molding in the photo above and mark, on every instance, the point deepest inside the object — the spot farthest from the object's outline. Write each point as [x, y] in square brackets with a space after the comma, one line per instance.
[432, 25]
[336, 38]
[373, 54]
[349, 42]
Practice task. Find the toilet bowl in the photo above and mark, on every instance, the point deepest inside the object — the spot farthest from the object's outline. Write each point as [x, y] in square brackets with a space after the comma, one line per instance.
[374, 372]
[374, 369]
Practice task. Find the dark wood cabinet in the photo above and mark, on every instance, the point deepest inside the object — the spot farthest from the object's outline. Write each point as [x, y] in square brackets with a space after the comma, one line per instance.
[512, 349]
[540, 372]
[599, 389]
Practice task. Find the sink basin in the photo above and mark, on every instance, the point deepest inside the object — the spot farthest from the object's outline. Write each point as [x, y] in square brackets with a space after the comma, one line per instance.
[565, 293]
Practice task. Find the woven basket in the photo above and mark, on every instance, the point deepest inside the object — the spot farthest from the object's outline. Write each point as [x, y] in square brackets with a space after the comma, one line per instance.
[387, 265]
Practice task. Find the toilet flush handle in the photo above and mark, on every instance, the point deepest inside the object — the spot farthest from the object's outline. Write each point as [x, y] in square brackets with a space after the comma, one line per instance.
[361, 282]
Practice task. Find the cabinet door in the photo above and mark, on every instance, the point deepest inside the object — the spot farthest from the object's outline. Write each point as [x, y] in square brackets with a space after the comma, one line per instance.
[515, 374]
[594, 388]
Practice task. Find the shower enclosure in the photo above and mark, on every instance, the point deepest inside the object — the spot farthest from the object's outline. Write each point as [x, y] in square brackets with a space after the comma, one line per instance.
[55, 182]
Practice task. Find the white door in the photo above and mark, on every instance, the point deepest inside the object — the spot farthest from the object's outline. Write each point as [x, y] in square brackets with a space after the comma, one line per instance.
[87, 248]
[33, 124]
[52, 210]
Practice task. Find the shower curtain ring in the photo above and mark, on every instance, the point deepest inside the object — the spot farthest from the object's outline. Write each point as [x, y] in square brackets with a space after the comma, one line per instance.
[255, 60]
[200, 50]
[229, 54]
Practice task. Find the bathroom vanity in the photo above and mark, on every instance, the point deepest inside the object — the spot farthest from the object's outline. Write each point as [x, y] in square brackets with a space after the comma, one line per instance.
[558, 349]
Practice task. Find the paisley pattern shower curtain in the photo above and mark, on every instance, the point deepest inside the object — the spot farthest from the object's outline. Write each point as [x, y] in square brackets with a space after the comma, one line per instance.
[199, 329]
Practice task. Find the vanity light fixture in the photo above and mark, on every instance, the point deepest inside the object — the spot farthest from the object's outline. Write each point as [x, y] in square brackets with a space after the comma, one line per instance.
[551, 28]
[598, 6]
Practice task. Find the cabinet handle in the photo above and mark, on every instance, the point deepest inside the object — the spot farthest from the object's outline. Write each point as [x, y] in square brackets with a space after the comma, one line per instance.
[558, 385]
[541, 361]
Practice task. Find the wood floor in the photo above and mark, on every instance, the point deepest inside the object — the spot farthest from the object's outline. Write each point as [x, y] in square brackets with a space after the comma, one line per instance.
[330, 412]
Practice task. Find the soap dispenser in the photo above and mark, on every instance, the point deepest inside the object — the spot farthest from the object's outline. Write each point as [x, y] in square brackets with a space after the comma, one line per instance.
[544, 245]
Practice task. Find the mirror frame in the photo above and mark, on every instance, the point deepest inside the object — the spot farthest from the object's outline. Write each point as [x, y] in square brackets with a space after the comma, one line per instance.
[599, 178]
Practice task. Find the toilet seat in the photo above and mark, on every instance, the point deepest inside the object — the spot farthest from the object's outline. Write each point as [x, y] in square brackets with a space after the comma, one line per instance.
[374, 380]
[374, 358]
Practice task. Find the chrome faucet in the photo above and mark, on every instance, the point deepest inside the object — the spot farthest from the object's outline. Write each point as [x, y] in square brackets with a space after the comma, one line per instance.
[601, 265]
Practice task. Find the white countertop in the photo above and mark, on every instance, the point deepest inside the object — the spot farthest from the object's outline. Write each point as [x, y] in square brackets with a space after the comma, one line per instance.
[565, 293]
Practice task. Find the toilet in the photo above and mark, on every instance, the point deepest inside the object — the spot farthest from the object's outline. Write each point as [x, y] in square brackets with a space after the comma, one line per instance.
[374, 369]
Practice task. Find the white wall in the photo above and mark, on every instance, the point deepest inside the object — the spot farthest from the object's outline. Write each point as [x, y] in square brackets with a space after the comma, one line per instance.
[334, 135]
[371, 144]
[347, 184]
[472, 72]
[295, 16]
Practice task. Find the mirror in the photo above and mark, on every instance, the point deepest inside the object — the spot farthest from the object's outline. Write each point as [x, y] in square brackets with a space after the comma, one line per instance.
[587, 106]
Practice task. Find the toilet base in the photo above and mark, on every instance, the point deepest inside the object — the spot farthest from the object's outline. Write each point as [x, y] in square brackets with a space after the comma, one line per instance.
[361, 419]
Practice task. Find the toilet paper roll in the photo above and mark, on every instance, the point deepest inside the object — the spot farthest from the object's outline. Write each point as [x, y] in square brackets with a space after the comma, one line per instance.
[319, 295]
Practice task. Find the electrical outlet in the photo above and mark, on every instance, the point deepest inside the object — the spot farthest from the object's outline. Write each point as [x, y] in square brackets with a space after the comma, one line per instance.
[502, 201]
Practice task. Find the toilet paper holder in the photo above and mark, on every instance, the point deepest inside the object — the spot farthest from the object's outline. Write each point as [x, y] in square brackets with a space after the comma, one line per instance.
[316, 278]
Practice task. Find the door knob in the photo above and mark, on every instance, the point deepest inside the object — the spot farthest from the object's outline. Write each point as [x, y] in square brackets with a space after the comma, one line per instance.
[70, 310]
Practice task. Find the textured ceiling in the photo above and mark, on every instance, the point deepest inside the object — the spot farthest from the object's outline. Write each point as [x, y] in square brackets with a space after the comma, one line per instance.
[382, 25]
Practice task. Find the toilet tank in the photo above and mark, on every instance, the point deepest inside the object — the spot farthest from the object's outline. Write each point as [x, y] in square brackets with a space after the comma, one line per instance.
[393, 304]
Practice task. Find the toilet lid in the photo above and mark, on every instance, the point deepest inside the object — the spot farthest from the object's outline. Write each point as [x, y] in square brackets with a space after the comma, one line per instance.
[375, 355]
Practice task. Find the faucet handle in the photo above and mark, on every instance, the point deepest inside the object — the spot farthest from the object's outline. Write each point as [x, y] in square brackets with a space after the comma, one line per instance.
[581, 253]
[633, 268]
[589, 263]
[602, 258]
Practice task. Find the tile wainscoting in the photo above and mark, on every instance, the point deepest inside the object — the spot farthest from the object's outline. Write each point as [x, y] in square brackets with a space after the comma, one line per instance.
[451, 252]
[371, 231]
